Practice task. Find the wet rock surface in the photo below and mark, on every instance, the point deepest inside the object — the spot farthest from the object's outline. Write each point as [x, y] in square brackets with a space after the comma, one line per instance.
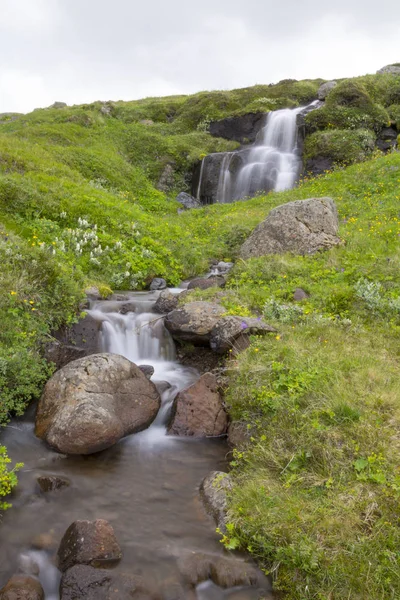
[158, 283]
[301, 227]
[83, 582]
[22, 587]
[213, 490]
[52, 483]
[243, 129]
[88, 543]
[91, 403]
[199, 411]
[232, 332]
[194, 322]
[166, 302]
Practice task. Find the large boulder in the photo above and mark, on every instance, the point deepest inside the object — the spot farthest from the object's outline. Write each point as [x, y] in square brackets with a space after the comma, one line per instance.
[83, 582]
[91, 403]
[188, 201]
[213, 490]
[301, 227]
[325, 88]
[22, 587]
[88, 543]
[198, 411]
[243, 128]
[233, 333]
[194, 322]
[390, 69]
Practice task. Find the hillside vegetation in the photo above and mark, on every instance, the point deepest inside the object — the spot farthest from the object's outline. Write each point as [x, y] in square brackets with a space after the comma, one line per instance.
[87, 197]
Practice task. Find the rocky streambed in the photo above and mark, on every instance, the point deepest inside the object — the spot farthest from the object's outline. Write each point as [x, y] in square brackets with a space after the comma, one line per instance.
[144, 484]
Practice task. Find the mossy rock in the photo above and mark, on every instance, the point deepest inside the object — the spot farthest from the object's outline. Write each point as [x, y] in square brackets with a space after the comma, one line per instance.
[394, 114]
[349, 93]
[371, 116]
[339, 146]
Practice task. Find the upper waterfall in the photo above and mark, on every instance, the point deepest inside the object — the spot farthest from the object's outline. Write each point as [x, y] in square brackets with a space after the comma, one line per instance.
[273, 163]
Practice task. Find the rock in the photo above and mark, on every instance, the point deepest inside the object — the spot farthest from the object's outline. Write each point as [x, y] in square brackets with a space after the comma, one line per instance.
[127, 308]
[213, 491]
[61, 354]
[387, 139]
[91, 403]
[222, 267]
[88, 543]
[200, 358]
[225, 572]
[238, 434]
[106, 109]
[83, 335]
[241, 129]
[166, 302]
[188, 201]
[82, 582]
[194, 322]
[233, 332]
[301, 227]
[209, 171]
[325, 88]
[58, 105]
[162, 386]
[318, 165]
[50, 483]
[203, 283]
[390, 69]
[198, 411]
[148, 370]
[167, 179]
[299, 295]
[158, 284]
[44, 541]
[22, 587]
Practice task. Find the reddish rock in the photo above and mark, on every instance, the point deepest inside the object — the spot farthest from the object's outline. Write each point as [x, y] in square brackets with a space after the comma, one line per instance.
[88, 543]
[22, 587]
[199, 411]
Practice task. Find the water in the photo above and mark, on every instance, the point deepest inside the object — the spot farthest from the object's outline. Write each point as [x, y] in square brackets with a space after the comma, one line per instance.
[272, 164]
[146, 485]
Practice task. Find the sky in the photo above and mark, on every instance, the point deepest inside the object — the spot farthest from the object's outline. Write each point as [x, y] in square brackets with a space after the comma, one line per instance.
[78, 51]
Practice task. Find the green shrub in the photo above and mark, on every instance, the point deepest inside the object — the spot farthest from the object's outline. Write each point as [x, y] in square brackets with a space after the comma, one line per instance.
[342, 117]
[342, 146]
[8, 477]
[349, 93]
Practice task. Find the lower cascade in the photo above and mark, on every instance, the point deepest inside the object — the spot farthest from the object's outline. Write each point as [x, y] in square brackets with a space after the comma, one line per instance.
[146, 486]
[273, 163]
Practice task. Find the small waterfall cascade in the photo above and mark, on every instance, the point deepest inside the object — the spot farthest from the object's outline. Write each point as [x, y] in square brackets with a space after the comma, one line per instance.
[273, 163]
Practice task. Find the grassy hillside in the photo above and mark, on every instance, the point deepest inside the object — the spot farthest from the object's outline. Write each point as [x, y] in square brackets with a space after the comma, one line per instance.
[87, 196]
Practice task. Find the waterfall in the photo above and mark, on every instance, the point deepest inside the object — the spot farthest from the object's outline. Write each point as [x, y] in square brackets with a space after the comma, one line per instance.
[273, 163]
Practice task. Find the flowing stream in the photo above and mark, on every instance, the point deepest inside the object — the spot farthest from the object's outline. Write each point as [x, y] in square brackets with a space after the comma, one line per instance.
[146, 486]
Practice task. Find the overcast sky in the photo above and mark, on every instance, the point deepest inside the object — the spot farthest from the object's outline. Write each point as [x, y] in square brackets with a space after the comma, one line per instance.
[78, 51]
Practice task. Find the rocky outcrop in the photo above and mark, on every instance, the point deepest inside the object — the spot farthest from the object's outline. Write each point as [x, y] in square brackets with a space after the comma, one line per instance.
[166, 302]
[158, 283]
[390, 69]
[194, 322]
[72, 343]
[83, 582]
[52, 483]
[198, 411]
[22, 587]
[88, 543]
[91, 403]
[213, 490]
[167, 179]
[188, 202]
[387, 139]
[318, 165]
[301, 227]
[232, 332]
[203, 283]
[242, 129]
[325, 88]
[299, 294]
[224, 572]
[206, 177]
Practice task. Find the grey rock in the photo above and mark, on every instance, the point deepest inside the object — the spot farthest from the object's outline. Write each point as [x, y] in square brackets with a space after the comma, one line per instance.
[194, 322]
[318, 165]
[203, 283]
[300, 227]
[233, 332]
[166, 302]
[188, 201]
[198, 411]
[51, 483]
[213, 490]
[238, 434]
[299, 295]
[210, 170]
[88, 543]
[325, 88]
[83, 582]
[127, 307]
[22, 587]
[243, 129]
[162, 386]
[387, 139]
[91, 403]
[58, 105]
[148, 370]
[61, 354]
[167, 179]
[158, 284]
[223, 267]
[389, 69]
[84, 335]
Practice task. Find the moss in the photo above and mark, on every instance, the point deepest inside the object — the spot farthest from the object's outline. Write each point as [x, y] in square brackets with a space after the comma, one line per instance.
[349, 93]
[394, 114]
[372, 117]
[342, 146]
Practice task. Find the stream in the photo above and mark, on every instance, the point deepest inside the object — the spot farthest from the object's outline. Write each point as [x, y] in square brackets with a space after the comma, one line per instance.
[146, 486]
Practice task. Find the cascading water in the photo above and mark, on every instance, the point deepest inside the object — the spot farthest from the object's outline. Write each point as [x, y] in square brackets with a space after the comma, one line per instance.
[273, 163]
[146, 485]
